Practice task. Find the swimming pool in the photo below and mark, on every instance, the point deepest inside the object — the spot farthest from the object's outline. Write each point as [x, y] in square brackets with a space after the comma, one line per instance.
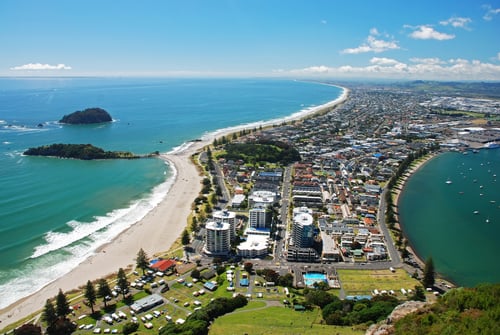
[314, 277]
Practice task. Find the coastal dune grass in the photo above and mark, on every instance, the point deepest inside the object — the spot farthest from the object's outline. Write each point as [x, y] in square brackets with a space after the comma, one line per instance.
[362, 282]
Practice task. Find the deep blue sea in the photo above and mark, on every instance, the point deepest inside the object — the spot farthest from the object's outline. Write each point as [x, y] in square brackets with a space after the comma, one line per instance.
[55, 213]
[456, 223]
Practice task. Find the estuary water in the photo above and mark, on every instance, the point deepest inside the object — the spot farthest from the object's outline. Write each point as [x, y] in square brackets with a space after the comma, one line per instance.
[450, 210]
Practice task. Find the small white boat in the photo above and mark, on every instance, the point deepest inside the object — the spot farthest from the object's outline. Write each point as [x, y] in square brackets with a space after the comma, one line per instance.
[448, 181]
[491, 145]
[476, 212]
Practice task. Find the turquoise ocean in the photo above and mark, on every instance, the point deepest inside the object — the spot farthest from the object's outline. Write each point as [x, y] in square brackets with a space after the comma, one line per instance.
[450, 211]
[55, 213]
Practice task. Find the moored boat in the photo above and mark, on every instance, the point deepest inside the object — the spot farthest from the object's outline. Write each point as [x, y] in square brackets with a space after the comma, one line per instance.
[491, 145]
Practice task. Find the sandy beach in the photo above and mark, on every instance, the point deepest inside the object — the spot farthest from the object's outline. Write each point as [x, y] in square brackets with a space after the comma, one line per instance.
[155, 233]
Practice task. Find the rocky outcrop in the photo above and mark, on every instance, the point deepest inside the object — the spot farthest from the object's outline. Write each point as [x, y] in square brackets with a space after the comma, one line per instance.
[87, 116]
[386, 327]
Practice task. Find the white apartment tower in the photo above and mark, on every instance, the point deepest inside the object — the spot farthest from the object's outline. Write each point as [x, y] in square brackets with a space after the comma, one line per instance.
[228, 217]
[259, 217]
[303, 230]
[217, 241]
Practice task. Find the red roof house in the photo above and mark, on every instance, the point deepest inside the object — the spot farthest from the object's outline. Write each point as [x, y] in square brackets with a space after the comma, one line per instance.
[163, 265]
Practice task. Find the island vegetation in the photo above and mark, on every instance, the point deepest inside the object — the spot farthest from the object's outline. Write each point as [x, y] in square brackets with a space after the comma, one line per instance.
[80, 151]
[87, 116]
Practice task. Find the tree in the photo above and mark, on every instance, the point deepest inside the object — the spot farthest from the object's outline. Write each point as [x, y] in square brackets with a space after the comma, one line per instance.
[194, 224]
[90, 295]
[286, 280]
[419, 294]
[405, 253]
[248, 266]
[218, 191]
[103, 290]
[49, 313]
[130, 327]
[428, 279]
[319, 298]
[185, 237]
[28, 329]
[122, 281]
[195, 274]
[142, 261]
[61, 327]
[270, 275]
[62, 305]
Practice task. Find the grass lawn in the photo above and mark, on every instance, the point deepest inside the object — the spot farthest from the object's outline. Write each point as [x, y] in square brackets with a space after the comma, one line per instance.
[360, 282]
[276, 320]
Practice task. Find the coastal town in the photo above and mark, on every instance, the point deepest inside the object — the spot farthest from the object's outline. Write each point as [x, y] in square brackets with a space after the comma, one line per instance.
[271, 229]
[326, 208]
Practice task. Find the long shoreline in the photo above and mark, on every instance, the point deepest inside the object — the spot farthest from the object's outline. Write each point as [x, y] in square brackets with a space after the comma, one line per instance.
[157, 231]
[400, 189]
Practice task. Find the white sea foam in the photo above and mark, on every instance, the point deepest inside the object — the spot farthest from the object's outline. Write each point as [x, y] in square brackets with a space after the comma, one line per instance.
[184, 146]
[23, 129]
[104, 228]
[34, 276]
[211, 135]
[65, 251]
[297, 115]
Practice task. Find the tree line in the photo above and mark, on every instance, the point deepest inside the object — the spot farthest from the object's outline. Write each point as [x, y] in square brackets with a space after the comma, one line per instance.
[77, 151]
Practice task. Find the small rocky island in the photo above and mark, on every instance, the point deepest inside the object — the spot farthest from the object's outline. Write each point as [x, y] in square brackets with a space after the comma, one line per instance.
[81, 151]
[87, 116]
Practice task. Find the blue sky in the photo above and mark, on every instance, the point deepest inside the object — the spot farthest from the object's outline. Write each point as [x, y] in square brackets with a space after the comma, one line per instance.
[439, 39]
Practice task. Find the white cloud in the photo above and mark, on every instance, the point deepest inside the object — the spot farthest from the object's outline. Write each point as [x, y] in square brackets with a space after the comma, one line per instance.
[40, 67]
[317, 69]
[383, 61]
[372, 44]
[429, 61]
[428, 33]
[419, 68]
[457, 22]
[490, 12]
[498, 56]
